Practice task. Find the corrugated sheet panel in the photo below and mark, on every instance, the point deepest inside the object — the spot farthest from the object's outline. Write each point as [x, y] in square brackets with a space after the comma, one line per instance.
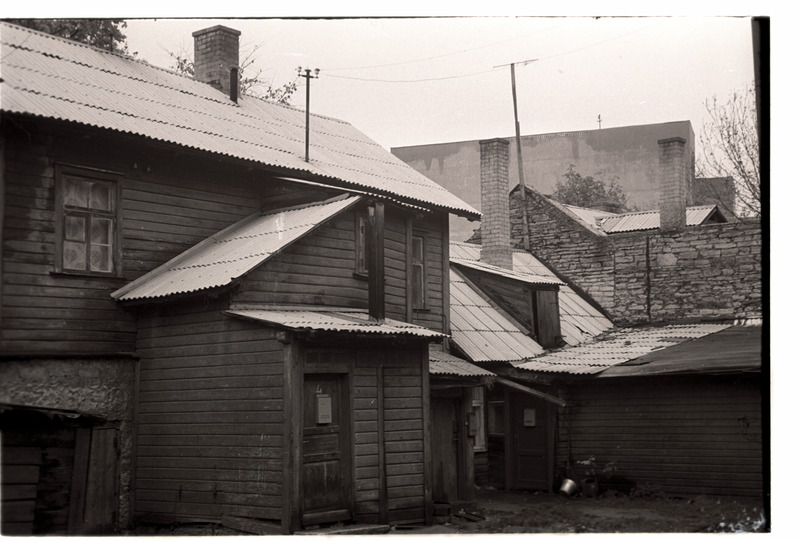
[617, 347]
[499, 271]
[343, 320]
[733, 350]
[641, 221]
[590, 216]
[231, 253]
[481, 331]
[442, 363]
[579, 320]
[55, 78]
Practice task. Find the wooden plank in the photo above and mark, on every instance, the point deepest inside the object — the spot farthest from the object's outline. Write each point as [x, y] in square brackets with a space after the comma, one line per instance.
[80, 473]
[291, 513]
[102, 487]
[383, 494]
[427, 452]
[256, 527]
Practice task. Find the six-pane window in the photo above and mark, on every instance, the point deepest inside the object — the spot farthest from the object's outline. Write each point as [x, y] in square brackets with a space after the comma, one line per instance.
[88, 222]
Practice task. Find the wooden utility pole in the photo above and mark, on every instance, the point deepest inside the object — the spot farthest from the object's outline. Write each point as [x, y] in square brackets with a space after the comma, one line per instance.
[525, 225]
[308, 78]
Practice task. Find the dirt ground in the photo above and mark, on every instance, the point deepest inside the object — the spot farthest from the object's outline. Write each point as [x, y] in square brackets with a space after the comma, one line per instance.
[524, 512]
[501, 512]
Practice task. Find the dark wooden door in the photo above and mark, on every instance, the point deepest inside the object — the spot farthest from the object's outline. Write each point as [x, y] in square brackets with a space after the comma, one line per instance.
[530, 442]
[444, 429]
[327, 463]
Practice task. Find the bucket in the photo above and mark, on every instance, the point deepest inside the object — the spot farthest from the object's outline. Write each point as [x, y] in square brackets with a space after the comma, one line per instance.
[568, 487]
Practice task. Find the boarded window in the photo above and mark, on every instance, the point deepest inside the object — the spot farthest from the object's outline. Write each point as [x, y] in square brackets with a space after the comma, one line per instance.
[418, 273]
[87, 221]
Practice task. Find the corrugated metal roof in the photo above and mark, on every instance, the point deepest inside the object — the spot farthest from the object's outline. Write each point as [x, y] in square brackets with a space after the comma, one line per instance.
[499, 271]
[332, 320]
[55, 78]
[650, 219]
[231, 253]
[444, 364]
[589, 216]
[579, 320]
[617, 347]
[736, 349]
[481, 331]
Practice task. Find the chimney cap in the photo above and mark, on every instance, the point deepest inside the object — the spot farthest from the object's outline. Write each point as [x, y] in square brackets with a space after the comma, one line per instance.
[218, 27]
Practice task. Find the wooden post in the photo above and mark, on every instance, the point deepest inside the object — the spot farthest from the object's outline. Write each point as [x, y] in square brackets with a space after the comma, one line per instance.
[377, 268]
[292, 431]
[426, 449]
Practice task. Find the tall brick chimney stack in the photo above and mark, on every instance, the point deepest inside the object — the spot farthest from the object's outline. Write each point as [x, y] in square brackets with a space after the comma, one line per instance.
[676, 183]
[495, 228]
[216, 52]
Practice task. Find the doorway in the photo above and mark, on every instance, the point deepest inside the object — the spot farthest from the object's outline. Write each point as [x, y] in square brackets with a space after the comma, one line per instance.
[326, 450]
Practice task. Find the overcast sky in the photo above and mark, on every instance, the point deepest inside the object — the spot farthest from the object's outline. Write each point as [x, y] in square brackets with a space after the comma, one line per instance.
[430, 80]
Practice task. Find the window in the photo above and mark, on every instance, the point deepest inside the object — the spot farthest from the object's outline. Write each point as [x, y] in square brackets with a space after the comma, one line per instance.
[479, 427]
[87, 224]
[496, 418]
[361, 245]
[418, 273]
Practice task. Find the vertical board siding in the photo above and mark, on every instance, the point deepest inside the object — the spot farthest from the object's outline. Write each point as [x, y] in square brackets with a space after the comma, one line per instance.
[210, 439]
[699, 435]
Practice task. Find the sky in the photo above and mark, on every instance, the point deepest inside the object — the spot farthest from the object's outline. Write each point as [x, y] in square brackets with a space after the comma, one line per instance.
[416, 81]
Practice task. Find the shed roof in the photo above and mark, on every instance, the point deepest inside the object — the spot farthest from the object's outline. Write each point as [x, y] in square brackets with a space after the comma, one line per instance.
[617, 347]
[345, 320]
[226, 256]
[445, 364]
[650, 219]
[481, 331]
[50, 77]
[736, 349]
[579, 319]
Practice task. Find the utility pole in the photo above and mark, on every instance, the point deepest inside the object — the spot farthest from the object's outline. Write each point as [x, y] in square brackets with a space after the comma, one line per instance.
[599, 119]
[525, 225]
[308, 78]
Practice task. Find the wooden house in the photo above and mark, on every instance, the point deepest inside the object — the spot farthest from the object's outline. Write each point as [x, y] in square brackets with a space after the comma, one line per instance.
[241, 328]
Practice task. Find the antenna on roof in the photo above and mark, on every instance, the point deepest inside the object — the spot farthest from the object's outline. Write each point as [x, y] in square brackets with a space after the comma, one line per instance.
[599, 120]
[308, 78]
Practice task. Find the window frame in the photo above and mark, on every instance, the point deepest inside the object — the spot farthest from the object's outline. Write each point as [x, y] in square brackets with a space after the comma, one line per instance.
[421, 263]
[62, 211]
[479, 411]
[361, 244]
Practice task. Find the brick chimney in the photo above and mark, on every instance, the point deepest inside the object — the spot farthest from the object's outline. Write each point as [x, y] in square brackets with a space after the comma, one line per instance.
[495, 228]
[675, 174]
[216, 52]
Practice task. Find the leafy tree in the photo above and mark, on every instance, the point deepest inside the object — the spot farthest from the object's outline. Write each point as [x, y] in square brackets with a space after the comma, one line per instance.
[587, 191]
[102, 33]
[729, 147]
[251, 84]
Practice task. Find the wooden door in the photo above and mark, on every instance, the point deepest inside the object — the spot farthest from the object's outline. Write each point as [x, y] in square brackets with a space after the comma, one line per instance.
[530, 443]
[327, 463]
[444, 427]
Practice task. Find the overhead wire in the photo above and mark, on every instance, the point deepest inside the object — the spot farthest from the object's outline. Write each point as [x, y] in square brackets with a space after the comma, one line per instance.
[462, 76]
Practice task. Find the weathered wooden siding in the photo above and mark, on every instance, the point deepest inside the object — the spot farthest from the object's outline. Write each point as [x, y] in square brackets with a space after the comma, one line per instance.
[404, 434]
[320, 270]
[433, 228]
[210, 418]
[165, 209]
[698, 435]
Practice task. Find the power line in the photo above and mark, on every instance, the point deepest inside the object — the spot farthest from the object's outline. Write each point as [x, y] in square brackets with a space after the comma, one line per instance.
[572, 51]
[445, 54]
